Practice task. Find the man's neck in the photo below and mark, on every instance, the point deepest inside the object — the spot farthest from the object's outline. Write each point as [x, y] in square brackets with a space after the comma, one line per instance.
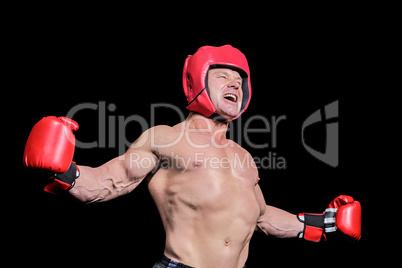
[203, 124]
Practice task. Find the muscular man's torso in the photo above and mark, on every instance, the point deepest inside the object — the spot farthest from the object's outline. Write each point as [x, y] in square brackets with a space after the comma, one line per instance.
[205, 193]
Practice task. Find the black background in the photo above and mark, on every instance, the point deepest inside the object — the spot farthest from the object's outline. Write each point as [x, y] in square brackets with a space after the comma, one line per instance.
[297, 67]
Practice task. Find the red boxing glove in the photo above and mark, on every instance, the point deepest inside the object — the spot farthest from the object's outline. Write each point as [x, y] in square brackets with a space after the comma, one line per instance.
[348, 218]
[50, 146]
[343, 213]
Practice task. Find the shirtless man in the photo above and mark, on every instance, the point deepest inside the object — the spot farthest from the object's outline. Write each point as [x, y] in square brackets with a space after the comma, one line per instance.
[204, 185]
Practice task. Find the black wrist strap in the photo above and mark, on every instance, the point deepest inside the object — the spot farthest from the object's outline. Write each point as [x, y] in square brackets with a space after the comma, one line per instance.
[70, 175]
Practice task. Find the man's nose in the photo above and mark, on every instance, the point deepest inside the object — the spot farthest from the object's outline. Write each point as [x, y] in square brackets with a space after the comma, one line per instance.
[235, 84]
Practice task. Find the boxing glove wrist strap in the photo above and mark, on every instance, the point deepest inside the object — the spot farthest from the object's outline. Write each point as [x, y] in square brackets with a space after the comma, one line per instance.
[316, 225]
[65, 181]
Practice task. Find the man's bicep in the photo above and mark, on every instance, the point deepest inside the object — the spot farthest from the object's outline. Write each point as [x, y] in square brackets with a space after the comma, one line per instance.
[276, 222]
[138, 163]
[140, 159]
[260, 199]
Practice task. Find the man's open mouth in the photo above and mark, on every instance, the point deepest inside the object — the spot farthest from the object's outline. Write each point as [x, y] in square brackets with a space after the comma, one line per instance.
[230, 97]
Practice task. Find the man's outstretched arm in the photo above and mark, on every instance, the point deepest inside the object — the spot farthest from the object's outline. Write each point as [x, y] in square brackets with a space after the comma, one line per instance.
[276, 222]
[50, 149]
[343, 214]
[117, 177]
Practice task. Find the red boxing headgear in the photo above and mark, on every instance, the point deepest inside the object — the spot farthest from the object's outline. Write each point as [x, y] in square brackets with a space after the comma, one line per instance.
[195, 76]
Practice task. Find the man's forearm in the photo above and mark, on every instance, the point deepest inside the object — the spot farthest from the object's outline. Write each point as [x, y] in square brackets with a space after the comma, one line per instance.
[279, 223]
[91, 186]
[103, 183]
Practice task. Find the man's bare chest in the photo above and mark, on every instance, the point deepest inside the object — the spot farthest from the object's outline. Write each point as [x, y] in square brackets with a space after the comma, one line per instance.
[201, 153]
[204, 175]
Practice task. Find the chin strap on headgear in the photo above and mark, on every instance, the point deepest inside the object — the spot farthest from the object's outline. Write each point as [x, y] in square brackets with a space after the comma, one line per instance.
[195, 76]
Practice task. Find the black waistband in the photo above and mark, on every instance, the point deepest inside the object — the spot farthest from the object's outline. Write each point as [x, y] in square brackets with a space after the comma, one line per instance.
[169, 263]
[173, 264]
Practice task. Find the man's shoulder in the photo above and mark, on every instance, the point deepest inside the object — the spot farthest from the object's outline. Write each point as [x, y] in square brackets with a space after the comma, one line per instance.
[152, 138]
[163, 134]
[236, 146]
[161, 130]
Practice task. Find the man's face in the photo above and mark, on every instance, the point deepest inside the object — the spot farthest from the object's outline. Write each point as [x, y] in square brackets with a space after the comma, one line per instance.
[225, 90]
